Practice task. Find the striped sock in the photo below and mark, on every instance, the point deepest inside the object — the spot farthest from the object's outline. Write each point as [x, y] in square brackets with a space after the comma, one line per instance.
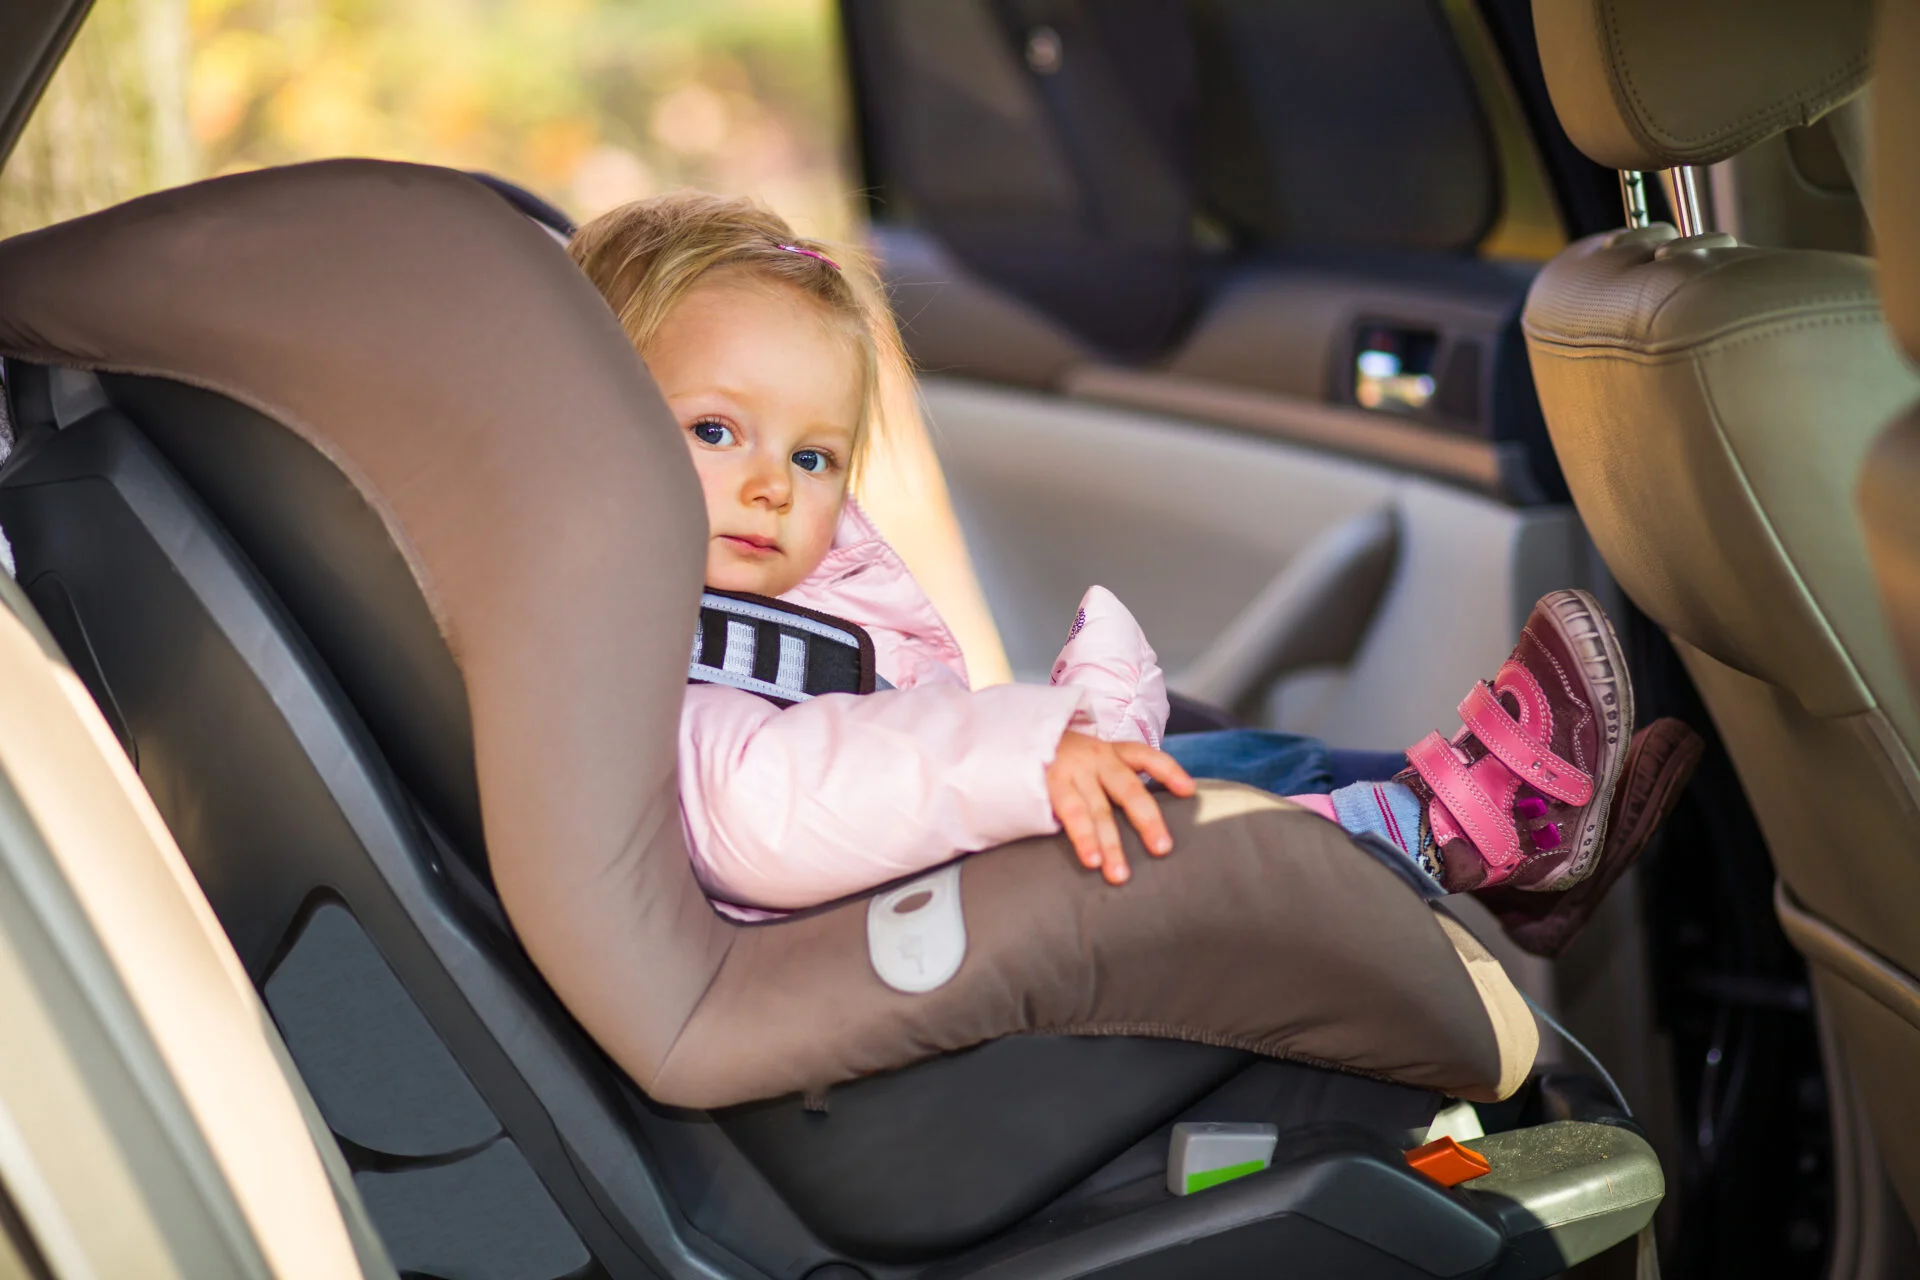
[1391, 811]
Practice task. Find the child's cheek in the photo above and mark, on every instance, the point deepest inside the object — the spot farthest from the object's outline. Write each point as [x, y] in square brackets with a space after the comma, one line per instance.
[821, 530]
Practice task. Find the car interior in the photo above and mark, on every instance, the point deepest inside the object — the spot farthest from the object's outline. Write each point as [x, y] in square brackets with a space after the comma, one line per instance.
[1329, 337]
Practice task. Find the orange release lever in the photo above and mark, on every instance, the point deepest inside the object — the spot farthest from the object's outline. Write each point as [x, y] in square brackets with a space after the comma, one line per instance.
[1448, 1163]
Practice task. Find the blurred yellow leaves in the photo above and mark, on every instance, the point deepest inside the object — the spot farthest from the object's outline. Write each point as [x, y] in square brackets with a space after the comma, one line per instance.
[230, 70]
[691, 120]
[589, 102]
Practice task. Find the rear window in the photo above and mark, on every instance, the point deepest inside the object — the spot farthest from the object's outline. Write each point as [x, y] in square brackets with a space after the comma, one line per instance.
[588, 103]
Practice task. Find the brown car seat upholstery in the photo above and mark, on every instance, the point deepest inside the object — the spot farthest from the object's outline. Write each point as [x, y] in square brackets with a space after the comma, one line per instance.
[1711, 405]
[442, 353]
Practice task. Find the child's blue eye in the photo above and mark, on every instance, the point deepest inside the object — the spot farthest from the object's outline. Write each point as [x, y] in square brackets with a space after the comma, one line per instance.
[710, 432]
[812, 460]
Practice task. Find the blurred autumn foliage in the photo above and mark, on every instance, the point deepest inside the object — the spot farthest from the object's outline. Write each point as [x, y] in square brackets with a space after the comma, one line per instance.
[588, 102]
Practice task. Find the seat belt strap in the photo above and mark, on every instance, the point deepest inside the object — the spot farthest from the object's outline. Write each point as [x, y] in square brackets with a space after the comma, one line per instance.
[782, 652]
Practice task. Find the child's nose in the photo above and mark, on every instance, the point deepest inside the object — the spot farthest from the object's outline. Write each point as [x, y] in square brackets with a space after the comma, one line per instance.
[768, 482]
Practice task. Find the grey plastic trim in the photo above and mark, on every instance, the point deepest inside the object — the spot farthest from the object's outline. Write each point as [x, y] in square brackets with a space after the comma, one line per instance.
[1585, 1186]
[75, 394]
[380, 1075]
[1315, 611]
[13, 598]
[1495, 469]
[1347, 1193]
[507, 1227]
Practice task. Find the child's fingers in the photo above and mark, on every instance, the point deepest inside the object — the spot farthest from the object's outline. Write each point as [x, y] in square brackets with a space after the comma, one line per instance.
[1124, 785]
[1158, 765]
[1077, 821]
[1113, 858]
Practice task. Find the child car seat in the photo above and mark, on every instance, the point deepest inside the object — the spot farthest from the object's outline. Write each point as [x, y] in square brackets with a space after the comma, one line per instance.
[357, 514]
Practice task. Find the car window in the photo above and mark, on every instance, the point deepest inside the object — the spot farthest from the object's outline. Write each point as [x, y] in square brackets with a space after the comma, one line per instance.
[589, 103]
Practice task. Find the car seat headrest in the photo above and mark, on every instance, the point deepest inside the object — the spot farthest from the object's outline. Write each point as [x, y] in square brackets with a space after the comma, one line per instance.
[1896, 194]
[1653, 84]
[443, 353]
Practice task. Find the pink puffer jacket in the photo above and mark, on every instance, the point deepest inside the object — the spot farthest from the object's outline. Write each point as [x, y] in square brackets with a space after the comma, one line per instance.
[791, 808]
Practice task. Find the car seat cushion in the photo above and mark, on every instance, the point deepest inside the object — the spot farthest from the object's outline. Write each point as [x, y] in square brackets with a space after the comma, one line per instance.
[445, 356]
[1266, 929]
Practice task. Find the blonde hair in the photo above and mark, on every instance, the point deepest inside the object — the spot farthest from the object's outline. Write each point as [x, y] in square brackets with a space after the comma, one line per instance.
[646, 256]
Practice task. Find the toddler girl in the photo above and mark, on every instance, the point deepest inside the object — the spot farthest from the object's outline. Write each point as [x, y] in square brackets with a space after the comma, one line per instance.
[771, 352]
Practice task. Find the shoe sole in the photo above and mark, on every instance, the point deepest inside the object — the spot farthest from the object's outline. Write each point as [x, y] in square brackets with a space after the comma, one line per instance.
[1584, 627]
[1545, 924]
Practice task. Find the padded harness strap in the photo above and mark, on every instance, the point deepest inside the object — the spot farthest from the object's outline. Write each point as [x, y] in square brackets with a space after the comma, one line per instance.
[780, 651]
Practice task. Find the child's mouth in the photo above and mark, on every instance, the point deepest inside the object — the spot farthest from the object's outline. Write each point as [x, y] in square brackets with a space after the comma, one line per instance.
[749, 545]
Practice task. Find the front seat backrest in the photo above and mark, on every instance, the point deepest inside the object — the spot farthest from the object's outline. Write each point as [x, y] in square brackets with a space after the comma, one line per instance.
[1890, 480]
[1710, 404]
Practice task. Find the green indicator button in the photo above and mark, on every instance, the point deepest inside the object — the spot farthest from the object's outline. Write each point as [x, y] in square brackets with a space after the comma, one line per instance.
[1205, 1154]
[1214, 1177]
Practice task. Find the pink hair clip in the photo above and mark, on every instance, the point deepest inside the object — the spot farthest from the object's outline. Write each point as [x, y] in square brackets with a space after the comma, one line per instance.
[808, 253]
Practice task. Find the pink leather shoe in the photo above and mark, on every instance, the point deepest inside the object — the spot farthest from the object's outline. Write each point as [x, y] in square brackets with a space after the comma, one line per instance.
[1520, 795]
[1660, 763]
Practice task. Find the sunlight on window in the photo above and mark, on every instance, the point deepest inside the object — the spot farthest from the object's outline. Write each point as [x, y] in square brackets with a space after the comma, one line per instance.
[588, 102]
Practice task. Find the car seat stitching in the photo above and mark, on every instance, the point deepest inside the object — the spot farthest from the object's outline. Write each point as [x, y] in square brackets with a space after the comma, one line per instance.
[1669, 353]
[1741, 337]
[1729, 262]
[1736, 128]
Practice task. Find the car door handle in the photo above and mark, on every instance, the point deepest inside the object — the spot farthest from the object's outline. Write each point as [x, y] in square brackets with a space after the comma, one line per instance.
[1313, 612]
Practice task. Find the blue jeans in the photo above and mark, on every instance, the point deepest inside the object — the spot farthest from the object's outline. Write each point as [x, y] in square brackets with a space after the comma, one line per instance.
[1286, 764]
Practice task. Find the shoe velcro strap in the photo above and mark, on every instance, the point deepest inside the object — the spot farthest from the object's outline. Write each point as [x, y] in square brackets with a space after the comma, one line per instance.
[1488, 827]
[1531, 760]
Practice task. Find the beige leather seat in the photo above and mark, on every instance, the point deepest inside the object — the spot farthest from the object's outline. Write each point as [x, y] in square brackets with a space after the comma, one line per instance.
[1890, 484]
[1711, 404]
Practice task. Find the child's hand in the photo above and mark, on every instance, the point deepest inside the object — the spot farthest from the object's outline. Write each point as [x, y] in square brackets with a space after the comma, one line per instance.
[1085, 780]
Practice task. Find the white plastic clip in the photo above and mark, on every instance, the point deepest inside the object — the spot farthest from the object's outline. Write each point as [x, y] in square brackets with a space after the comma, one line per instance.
[1206, 1154]
[1458, 1120]
[916, 934]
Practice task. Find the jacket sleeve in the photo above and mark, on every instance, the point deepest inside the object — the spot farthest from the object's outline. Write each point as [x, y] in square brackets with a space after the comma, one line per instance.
[1108, 658]
[791, 808]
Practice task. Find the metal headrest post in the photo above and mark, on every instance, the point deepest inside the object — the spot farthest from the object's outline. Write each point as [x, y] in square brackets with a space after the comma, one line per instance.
[1683, 196]
[1683, 193]
[1633, 195]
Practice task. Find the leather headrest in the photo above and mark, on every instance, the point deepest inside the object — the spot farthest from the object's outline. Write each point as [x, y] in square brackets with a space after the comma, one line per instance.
[1651, 84]
[1896, 195]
